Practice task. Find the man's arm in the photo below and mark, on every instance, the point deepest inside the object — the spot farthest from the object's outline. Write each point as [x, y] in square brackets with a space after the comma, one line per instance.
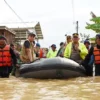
[48, 54]
[88, 57]
[84, 50]
[13, 55]
[66, 52]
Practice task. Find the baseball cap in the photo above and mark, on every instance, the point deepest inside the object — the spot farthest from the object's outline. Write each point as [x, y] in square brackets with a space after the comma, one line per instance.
[53, 45]
[31, 34]
[86, 41]
[75, 35]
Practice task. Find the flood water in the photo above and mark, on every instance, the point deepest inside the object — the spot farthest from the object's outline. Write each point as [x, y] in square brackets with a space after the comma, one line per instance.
[33, 89]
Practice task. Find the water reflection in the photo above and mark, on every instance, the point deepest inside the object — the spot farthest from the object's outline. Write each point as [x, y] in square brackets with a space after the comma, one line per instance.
[34, 89]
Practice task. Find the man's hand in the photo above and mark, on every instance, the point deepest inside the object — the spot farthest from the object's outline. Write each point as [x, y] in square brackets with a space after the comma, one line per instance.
[77, 47]
[17, 65]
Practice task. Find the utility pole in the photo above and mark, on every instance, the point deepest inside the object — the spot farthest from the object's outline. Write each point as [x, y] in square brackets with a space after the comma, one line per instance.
[76, 26]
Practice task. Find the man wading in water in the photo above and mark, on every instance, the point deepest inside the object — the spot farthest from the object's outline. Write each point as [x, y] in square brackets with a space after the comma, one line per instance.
[27, 52]
[61, 50]
[95, 51]
[6, 56]
[75, 50]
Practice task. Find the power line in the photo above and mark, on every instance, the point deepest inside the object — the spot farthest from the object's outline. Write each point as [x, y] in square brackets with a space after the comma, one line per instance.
[17, 22]
[14, 11]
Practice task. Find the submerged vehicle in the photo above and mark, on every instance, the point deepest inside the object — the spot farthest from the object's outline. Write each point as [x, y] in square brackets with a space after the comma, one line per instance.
[52, 68]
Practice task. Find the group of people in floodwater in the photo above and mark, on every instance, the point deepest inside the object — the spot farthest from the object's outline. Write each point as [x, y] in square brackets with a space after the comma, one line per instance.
[11, 56]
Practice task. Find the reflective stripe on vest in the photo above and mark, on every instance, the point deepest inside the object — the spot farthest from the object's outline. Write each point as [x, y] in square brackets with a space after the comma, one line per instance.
[5, 56]
[96, 53]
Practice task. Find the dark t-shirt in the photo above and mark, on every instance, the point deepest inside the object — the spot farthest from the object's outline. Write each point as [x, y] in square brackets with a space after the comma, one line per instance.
[27, 44]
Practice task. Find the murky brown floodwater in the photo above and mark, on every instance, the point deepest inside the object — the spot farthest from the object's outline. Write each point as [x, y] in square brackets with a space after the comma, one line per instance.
[32, 89]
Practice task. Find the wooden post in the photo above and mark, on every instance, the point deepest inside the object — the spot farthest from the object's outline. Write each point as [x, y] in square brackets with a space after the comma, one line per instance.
[77, 26]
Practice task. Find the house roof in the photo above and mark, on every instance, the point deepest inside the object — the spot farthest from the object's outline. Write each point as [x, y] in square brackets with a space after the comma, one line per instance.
[33, 27]
[7, 29]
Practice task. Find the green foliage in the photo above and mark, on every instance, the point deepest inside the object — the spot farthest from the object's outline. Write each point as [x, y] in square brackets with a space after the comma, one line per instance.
[92, 39]
[96, 19]
[96, 26]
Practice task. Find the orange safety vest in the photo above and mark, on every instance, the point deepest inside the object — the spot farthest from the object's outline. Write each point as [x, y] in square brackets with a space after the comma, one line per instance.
[5, 57]
[41, 53]
[96, 53]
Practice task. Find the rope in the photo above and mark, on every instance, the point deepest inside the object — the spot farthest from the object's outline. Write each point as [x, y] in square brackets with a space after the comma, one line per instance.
[14, 12]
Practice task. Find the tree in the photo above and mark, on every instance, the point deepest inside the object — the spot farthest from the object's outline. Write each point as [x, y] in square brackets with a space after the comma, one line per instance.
[96, 23]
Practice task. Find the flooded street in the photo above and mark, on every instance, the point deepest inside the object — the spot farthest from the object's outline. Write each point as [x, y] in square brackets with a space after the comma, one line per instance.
[34, 89]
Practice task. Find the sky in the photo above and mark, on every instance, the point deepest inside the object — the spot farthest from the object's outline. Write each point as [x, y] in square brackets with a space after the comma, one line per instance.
[56, 17]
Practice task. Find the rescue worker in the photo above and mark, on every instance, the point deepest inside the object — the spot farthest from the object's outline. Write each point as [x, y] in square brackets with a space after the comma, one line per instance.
[17, 57]
[6, 56]
[14, 49]
[75, 50]
[52, 52]
[95, 51]
[87, 44]
[27, 52]
[38, 51]
[68, 39]
[61, 50]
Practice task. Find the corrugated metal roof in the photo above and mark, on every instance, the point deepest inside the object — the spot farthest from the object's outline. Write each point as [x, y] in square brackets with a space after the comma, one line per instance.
[23, 27]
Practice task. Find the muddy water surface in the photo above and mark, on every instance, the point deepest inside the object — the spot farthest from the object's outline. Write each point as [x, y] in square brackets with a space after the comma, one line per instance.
[34, 89]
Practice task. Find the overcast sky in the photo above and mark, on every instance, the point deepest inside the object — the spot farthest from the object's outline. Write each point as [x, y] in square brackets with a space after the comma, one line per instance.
[55, 16]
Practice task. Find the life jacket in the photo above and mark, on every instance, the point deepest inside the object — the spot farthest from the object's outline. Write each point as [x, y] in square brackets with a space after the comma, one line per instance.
[41, 53]
[5, 57]
[96, 53]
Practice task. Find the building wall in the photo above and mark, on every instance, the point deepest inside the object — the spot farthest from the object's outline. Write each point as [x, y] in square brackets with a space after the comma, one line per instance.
[10, 37]
[1, 32]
